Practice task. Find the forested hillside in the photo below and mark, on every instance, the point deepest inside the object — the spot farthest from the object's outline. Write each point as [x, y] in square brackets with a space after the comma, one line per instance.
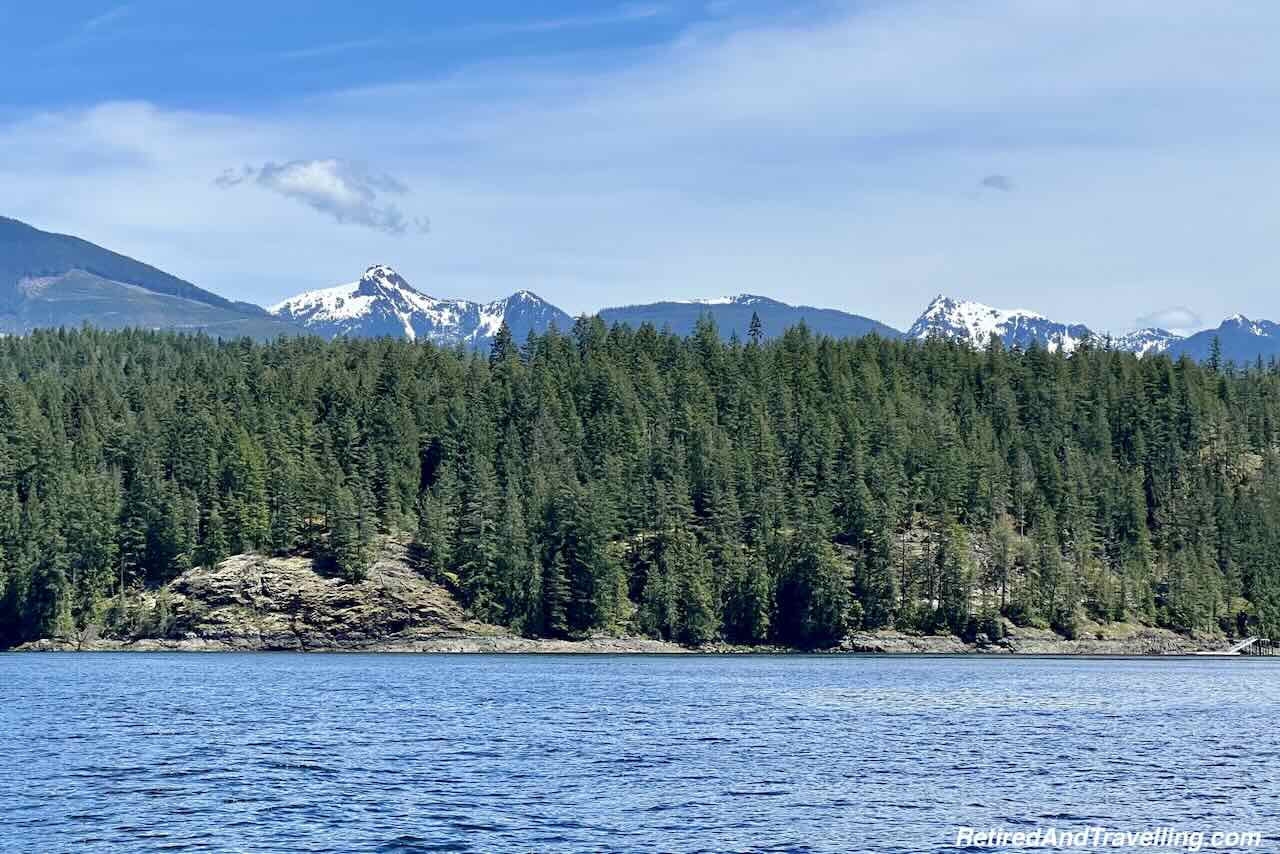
[628, 480]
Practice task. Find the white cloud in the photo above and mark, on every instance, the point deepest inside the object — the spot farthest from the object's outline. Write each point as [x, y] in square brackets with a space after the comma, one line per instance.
[348, 192]
[1177, 319]
[825, 158]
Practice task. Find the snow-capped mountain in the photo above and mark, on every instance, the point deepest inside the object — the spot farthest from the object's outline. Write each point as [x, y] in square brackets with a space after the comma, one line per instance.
[975, 323]
[1147, 341]
[1240, 340]
[383, 303]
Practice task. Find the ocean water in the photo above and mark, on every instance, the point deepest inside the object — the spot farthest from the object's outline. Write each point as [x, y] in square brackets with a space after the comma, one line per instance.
[397, 753]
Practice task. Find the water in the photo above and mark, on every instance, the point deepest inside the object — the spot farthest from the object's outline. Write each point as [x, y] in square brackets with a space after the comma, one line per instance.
[345, 753]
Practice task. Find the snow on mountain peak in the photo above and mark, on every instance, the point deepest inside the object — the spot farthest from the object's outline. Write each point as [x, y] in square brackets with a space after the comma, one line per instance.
[1146, 341]
[727, 299]
[1258, 328]
[974, 323]
[970, 308]
[383, 303]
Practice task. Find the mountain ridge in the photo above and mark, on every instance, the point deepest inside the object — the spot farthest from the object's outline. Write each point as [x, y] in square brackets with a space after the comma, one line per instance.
[55, 280]
[974, 323]
[381, 302]
[1240, 340]
[50, 280]
[732, 315]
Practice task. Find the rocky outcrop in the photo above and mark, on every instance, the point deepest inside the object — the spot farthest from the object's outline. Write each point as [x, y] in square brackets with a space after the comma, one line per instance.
[253, 602]
[1122, 639]
[257, 603]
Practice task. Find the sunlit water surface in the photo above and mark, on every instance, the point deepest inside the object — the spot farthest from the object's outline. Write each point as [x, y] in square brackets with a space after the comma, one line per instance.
[345, 753]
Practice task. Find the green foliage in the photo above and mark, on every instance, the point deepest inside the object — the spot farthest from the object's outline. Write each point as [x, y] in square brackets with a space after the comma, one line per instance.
[783, 490]
[349, 536]
[813, 593]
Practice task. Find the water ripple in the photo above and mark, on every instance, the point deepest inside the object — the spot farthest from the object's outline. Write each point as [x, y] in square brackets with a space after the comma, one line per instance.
[346, 753]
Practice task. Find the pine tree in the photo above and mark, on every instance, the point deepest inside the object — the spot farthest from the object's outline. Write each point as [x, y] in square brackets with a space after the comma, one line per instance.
[748, 605]
[555, 597]
[813, 593]
[475, 552]
[619, 479]
[347, 547]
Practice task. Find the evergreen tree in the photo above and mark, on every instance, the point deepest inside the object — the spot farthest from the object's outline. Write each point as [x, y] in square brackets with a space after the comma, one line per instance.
[348, 546]
[614, 479]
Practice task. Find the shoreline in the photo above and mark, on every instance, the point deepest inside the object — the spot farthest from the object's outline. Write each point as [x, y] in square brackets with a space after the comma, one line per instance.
[254, 603]
[1144, 642]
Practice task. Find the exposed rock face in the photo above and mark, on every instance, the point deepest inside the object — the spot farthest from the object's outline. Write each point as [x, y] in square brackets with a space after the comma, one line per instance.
[252, 602]
[257, 603]
[1132, 640]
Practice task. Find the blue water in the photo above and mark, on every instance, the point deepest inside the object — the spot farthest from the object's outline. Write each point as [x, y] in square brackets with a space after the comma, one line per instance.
[345, 753]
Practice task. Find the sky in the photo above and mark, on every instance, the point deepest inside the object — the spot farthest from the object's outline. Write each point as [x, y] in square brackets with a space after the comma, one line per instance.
[1107, 163]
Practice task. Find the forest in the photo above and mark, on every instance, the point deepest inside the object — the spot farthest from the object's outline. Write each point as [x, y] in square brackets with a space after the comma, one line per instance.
[783, 490]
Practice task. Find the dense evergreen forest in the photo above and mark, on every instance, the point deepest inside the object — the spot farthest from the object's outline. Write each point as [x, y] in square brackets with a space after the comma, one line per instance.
[611, 479]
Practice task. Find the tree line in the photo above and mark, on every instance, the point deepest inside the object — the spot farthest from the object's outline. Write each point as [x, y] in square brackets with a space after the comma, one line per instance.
[695, 489]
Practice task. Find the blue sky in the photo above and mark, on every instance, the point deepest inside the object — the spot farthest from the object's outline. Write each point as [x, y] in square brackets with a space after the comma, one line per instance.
[1101, 163]
[239, 55]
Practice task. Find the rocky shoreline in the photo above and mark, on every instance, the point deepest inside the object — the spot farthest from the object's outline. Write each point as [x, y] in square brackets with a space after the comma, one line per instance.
[252, 603]
[1127, 641]
[441, 644]
[1146, 642]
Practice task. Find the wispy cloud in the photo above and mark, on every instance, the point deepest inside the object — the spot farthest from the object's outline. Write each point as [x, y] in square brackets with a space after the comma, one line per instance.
[348, 192]
[1177, 319]
[103, 26]
[628, 13]
[106, 19]
[332, 49]
[624, 14]
[821, 157]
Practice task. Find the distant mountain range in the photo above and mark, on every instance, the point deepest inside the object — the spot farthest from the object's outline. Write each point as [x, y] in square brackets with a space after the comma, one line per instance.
[1145, 341]
[55, 280]
[383, 303]
[975, 323]
[1240, 339]
[733, 316]
[49, 280]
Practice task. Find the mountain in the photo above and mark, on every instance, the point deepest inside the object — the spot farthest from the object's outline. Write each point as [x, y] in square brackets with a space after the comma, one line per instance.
[1242, 341]
[733, 314]
[975, 323]
[383, 303]
[1146, 342]
[53, 280]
